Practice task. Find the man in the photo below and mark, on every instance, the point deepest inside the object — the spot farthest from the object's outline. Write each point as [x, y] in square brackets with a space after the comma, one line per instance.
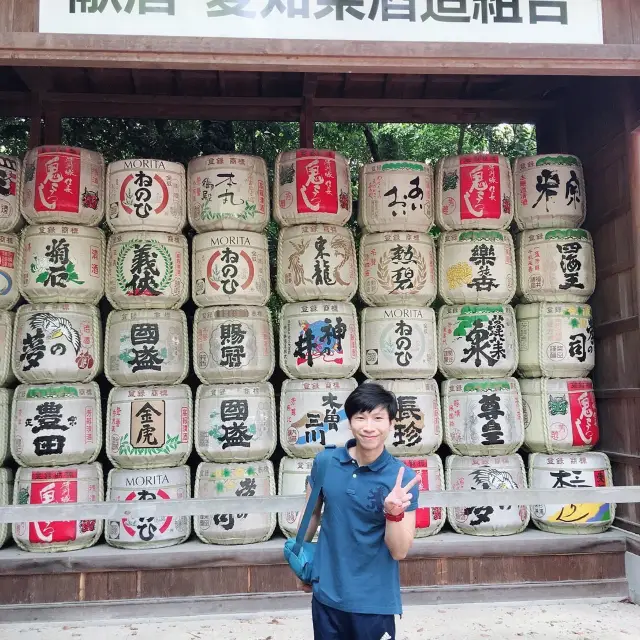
[368, 525]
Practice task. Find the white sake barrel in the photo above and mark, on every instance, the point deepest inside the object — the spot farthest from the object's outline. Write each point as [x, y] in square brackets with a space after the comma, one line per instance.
[147, 346]
[228, 192]
[10, 170]
[148, 532]
[149, 427]
[229, 480]
[398, 342]
[57, 342]
[316, 262]
[6, 494]
[7, 320]
[474, 192]
[477, 341]
[147, 269]
[396, 196]
[483, 417]
[77, 484]
[62, 184]
[146, 195]
[429, 520]
[555, 265]
[555, 340]
[6, 396]
[418, 426]
[560, 415]
[312, 415]
[292, 481]
[233, 344]
[56, 424]
[566, 472]
[10, 270]
[319, 340]
[476, 267]
[235, 422]
[397, 268]
[549, 191]
[62, 263]
[487, 473]
[230, 267]
[311, 186]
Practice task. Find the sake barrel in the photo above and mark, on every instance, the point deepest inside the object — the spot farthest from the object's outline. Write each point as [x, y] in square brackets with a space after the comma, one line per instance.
[230, 267]
[476, 267]
[549, 191]
[397, 268]
[396, 196]
[477, 341]
[429, 520]
[57, 342]
[149, 427]
[145, 194]
[56, 424]
[148, 532]
[233, 344]
[474, 192]
[6, 493]
[312, 415]
[228, 192]
[485, 473]
[569, 471]
[5, 423]
[146, 346]
[319, 340]
[147, 269]
[235, 422]
[77, 484]
[555, 340]
[483, 417]
[10, 271]
[555, 265]
[10, 170]
[7, 320]
[230, 480]
[311, 185]
[62, 184]
[292, 481]
[316, 262]
[398, 342]
[560, 415]
[62, 263]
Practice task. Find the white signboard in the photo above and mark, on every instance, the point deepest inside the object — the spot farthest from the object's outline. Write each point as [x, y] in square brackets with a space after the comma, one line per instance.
[510, 21]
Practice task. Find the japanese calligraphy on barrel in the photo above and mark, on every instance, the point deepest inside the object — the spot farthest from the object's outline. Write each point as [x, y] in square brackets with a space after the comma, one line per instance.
[7, 320]
[311, 185]
[231, 480]
[6, 494]
[396, 196]
[6, 396]
[487, 473]
[149, 427]
[10, 271]
[62, 263]
[228, 192]
[76, 484]
[549, 191]
[146, 195]
[292, 481]
[10, 170]
[566, 472]
[56, 424]
[148, 532]
[483, 417]
[555, 265]
[62, 184]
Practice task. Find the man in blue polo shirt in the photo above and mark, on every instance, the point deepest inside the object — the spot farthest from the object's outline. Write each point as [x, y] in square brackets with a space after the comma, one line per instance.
[368, 525]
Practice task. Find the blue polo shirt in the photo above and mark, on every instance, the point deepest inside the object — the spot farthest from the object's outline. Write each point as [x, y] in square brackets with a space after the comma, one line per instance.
[353, 568]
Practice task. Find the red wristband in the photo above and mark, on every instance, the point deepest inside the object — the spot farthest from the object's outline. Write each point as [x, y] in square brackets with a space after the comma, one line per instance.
[393, 518]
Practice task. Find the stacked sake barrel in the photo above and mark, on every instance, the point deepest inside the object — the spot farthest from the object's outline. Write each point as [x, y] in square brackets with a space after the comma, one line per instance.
[56, 421]
[556, 342]
[398, 281]
[477, 348]
[319, 345]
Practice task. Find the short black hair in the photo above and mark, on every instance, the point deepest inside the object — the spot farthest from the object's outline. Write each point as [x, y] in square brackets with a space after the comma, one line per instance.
[370, 396]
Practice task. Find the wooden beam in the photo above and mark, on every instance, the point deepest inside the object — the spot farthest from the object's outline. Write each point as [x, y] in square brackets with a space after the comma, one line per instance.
[616, 327]
[631, 393]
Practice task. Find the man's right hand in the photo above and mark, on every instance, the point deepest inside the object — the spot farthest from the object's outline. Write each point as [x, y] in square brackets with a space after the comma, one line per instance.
[303, 586]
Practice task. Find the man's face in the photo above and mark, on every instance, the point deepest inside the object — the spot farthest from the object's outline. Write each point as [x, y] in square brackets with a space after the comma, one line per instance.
[371, 428]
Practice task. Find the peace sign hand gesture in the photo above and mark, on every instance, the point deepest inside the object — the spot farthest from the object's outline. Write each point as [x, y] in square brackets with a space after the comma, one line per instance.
[400, 497]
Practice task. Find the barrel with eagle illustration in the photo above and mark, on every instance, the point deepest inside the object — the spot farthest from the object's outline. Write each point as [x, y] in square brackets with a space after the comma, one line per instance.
[6, 495]
[10, 271]
[10, 176]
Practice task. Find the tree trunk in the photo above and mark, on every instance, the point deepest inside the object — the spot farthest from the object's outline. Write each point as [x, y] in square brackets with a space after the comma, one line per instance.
[463, 131]
[372, 143]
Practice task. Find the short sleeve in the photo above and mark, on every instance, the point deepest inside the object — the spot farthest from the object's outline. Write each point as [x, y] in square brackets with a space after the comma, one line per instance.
[415, 491]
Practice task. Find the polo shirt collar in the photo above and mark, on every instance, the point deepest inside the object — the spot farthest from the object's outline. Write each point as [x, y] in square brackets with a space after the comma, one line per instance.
[376, 465]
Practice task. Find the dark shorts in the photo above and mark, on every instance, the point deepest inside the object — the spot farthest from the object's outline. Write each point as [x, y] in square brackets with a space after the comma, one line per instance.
[333, 624]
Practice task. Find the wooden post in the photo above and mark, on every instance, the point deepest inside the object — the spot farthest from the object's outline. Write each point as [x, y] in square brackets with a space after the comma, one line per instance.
[52, 126]
[307, 122]
[35, 127]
